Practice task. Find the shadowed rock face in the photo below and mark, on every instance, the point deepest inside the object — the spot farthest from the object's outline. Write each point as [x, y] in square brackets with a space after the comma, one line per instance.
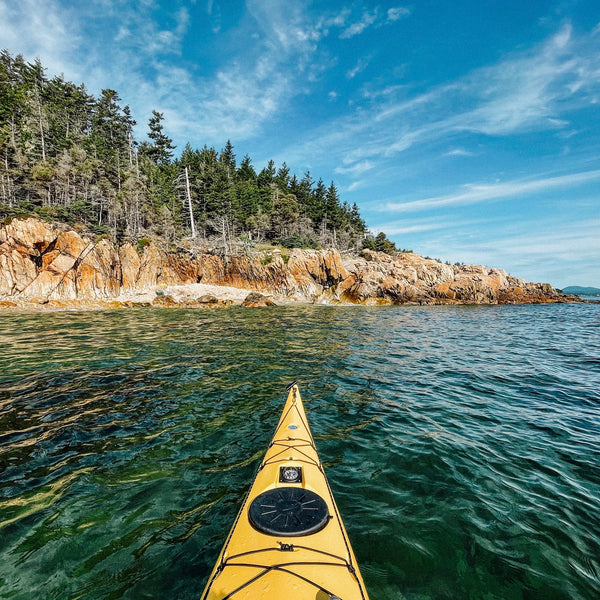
[42, 262]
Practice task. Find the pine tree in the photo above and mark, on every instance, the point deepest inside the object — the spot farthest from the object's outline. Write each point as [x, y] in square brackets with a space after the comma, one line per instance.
[246, 171]
[282, 179]
[227, 159]
[160, 149]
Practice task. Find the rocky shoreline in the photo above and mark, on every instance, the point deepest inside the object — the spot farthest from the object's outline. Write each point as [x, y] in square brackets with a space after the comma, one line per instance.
[51, 266]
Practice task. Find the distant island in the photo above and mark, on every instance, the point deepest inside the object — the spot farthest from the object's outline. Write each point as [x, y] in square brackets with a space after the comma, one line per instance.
[582, 291]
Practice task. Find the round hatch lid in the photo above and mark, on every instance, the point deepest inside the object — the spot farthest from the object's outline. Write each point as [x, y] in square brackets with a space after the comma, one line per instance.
[288, 511]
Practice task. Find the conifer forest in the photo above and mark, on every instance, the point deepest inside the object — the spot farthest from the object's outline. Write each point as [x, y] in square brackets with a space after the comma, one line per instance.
[66, 155]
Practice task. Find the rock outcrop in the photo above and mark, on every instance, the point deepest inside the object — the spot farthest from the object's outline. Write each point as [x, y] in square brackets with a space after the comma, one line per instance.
[53, 264]
[409, 278]
[256, 299]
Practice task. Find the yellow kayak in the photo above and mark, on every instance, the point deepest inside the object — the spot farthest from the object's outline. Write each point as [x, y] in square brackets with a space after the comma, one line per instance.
[288, 540]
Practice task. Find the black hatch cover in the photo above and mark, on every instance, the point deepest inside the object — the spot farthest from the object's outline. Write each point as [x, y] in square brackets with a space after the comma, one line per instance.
[288, 511]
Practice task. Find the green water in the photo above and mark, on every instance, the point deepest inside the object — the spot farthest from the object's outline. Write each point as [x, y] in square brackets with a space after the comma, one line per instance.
[462, 445]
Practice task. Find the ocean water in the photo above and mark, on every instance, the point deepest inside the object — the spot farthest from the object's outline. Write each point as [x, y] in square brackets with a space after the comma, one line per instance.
[462, 445]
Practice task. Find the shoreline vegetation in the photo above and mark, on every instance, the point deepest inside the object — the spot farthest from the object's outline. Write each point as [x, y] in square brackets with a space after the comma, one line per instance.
[93, 217]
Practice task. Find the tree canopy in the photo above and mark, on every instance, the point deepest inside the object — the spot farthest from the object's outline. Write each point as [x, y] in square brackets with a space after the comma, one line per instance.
[67, 155]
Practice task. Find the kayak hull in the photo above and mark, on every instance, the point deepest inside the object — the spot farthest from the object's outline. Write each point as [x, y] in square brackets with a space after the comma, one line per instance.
[288, 540]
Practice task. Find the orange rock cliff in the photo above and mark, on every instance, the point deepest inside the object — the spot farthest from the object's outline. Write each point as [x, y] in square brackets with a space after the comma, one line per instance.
[44, 263]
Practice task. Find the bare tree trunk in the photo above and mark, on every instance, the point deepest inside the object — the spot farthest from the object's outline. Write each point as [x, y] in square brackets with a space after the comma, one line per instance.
[224, 232]
[4, 194]
[189, 199]
[13, 141]
[138, 220]
[42, 140]
[118, 171]
[5, 187]
[130, 150]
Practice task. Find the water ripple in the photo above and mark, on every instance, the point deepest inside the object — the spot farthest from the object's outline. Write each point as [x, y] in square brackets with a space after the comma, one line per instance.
[463, 440]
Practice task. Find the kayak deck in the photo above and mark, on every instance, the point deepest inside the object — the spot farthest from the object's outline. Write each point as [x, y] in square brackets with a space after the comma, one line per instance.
[288, 540]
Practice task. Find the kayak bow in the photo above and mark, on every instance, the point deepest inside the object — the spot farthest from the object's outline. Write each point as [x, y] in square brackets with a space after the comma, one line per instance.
[288, 540]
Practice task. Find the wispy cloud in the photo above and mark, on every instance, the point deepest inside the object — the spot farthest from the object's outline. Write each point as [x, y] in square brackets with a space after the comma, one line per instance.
[39, 28]
[360, 66]
[459, 152]
[375, 17]
[129, 49]
[572, 241]
[356, 169]
[286, 26]
[475, 193]
[138, 32]
[397, 13]
[355, 185]
[530, 253]
[368, 18]
[404, 228]
[523, 248]
[533, 90]
[525, 92]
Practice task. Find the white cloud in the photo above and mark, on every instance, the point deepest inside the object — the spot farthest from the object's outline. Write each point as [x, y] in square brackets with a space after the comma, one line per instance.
[236, 104]
[127, 49]
[355, 185]
[285, 26]
[459, 152]
[402, 228]
[395, 14]
[523, 92]
[549, 251]
[39, 29]
[475, 193]
[351, 28]
[533, 90]
[356, 169]
[368, 18]
[360, 66]
[572, 242]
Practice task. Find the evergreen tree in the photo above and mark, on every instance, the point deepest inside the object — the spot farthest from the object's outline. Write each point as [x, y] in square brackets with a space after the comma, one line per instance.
[246, 171]
[227, 160]
[332, 208]
[267, 175]
[282, 179]
[160, 149]
[318, 205]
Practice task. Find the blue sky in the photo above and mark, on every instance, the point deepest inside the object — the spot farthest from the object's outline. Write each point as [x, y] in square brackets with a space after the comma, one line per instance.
[467, 130]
